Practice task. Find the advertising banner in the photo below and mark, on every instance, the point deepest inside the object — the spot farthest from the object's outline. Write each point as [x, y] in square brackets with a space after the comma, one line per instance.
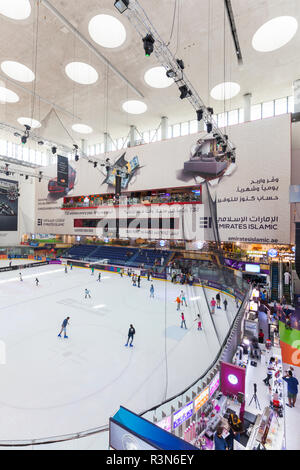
[201, 399]
[8, 205]
[183, 414]
[62, 171]
[251, 195]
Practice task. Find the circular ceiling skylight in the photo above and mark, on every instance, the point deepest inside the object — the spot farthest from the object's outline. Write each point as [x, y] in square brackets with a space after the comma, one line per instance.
[33, 123]
[82, 73]
[157, 78]
[107, 31]
[275, 33]
[17, 71]
[15, 9]
[82, 129]
[134, 107]
[225, 91]
[8, 96]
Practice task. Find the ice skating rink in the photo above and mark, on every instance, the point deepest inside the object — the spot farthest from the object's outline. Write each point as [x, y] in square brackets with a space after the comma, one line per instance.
[52, 386]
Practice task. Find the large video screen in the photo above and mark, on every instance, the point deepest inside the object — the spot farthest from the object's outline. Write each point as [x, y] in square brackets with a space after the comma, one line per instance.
[8, 205]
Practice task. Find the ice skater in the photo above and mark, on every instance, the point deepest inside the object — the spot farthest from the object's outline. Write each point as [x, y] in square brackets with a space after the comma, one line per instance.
[87, 294]
[237, 302]
[183, 321]
[131, 333]
[152, 291]
[66, 269]
[92, 271]
[71, 266]
[218, 299]
[37, 282]
[178, 301]
[198, 319]
[64, 327]
[213, 305]
[134, 280]
[21, 279]
[225, 303]
[99, 277]
[183, 298]
[139, 281]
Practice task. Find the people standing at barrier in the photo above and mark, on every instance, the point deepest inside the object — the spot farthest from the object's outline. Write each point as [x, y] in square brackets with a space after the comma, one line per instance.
[213, 305]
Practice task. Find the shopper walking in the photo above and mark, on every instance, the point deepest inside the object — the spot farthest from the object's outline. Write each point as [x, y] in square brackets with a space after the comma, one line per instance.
[292, 384]
[183, 321]
[64, 327]
[213, 305]
[270, 371]
[225, 303]
[131, 333]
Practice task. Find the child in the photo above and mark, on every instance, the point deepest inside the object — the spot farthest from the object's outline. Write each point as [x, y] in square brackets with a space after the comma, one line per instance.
[87, 294]
[183, 299]
[213, 305]
[198, 319]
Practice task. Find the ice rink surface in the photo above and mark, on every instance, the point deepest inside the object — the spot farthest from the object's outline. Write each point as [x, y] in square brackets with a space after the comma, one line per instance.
[52, 386]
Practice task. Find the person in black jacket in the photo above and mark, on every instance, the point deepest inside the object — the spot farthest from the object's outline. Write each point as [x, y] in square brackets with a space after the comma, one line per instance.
[131, 333]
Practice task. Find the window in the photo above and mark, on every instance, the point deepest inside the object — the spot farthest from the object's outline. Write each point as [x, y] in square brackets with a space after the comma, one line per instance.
[153, 136]
[170, 132]
[26, 154]
[3, 147]
[193, 127]
[120, 144]
[241, 116]
[222, 120]
[98, 149]
[176, 130]
[233, 117]
[9, 149]
[38, 158]
[281, 106]
[158, 134]
[255, 112]
[184, 128]
[45, 161]
[291, 106]
[146, 137]
[268, 109]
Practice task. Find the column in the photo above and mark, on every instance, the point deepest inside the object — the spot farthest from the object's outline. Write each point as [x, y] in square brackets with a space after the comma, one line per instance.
[132, 136]
[296, 88]
[84, 146]
[107, 142]
[247, 107]
[164, 127]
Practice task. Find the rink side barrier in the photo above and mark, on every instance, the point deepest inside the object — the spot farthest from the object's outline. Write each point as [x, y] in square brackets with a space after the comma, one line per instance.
[22, 266]
[225, 354]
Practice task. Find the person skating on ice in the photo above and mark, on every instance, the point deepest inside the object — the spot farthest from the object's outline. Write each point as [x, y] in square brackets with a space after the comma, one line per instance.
[225, 303]
[87, 294]
[20, 274]
[198, 319]
[183, 298]
[152, 291]
[37, 281]
[183, 321]
[213, 305]
[178, 301]
[131, 333]
[64, 327]
[99, 277]
[66, 269]
[218, 299]
[92, 271]
[71, 266]
[139, 281]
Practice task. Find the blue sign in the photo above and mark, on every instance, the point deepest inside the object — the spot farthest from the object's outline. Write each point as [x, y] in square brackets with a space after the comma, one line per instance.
[182, 415]
[293, 249]
[272, 253]
[162, 243]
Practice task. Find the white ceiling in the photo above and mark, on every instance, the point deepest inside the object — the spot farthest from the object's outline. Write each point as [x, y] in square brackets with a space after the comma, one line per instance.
[201, 46]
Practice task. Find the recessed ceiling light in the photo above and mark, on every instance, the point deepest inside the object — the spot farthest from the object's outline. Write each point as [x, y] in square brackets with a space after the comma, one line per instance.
[8, 96]
[82, 129]
[225, 91]
[157, 78]
[134, 107]
[107, 31]
[275, 33]
[15, 9]
[82, 73]
[33, 123]
[17, 71]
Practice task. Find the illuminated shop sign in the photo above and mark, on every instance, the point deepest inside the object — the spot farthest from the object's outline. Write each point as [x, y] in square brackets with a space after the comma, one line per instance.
[214, 384]
[182, 415]
[201, 399]
[165, 423]
[272, 253]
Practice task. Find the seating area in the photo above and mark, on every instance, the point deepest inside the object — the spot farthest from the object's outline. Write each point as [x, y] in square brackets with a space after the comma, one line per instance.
[122, 256]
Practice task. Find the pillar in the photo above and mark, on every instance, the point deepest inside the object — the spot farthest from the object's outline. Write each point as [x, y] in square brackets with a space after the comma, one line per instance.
[247, 107]
[84, 146]
[107, 142]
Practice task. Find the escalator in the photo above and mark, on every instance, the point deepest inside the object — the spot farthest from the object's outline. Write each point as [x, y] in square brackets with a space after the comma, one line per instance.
[274, 280]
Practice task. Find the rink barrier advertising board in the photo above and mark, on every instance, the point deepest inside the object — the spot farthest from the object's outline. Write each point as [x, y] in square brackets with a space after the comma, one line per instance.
[214, 384]
[201, 399]
[183, 414]
[22, 266]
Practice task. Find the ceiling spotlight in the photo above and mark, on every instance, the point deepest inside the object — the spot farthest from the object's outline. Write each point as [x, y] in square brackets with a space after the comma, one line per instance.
[121, 5]
[180, 63]
[210, 110]
[171, 74]
[184, 92]
[54, 150]
[209, 127]
[199, 114]
[148, 44]
[28, 128]
[40, 142]
[24, 139]
[75, 146]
